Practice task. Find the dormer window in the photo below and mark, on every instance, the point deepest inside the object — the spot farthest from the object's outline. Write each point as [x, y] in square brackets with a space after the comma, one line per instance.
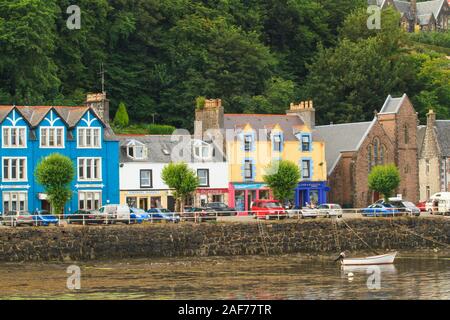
[14, 137]
[306, 143]
[202, 150]
[277, 143]
[52, 137]
[137, 150]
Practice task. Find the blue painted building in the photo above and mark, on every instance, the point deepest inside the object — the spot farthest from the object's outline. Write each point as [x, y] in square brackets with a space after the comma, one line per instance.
[30, 133]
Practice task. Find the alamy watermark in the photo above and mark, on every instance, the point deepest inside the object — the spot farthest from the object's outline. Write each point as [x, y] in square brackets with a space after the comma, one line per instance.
[74, 20]
[74, 278]
[374, 20]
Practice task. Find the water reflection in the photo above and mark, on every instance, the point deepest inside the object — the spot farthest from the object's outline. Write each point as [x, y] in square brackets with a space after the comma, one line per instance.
[414, 276]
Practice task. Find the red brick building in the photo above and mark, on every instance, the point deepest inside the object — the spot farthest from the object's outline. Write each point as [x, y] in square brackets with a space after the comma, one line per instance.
[352, 149]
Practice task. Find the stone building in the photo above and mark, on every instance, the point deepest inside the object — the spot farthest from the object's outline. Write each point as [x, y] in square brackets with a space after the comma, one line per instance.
[434, 156]
[352, 149]
[419, 16]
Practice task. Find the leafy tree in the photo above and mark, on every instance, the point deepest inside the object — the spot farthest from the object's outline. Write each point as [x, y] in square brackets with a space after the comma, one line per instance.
[282, 177]
[183, 180]
[55, 173]
[384, 179]
[121, 118]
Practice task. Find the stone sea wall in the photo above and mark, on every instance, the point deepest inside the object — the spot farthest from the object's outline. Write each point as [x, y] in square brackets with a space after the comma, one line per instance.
[77, 243]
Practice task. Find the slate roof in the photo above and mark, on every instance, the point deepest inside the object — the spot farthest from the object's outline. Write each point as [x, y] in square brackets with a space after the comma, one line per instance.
[342, 137]
[443, 136]
[287, 123]
[392, 105]
[160, 148]
[429, 7]
[425, 9]
[70, 115]
[421, 130]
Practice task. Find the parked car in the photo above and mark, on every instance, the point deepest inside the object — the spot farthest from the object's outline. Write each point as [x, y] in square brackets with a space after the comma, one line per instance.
[380, 210]
[308, 212]
[268, 209]
[17, 218]
[88, 217]
[117, 212]
[406, 207]
[138, 215]
[422, 206]
[199, 214]
[44, 218]
[444, 207]
[434, 205]
[160, 214]
[329, 210]
[221, 208]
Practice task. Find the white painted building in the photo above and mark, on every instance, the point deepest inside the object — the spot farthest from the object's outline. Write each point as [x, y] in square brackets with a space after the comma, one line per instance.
[143, 157]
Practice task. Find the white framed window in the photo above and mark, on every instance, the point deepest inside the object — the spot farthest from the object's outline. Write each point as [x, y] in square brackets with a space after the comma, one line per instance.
[137, 150]
[88, 138]
[248, 169]
[277, 143]
[248, 141]
[15, 201]
[306, 169]
[89, 169]
[14, 169]
[146, 178]
[202, 150]
[89, 200]
[52, 137]
[203, 177]
[14, 137]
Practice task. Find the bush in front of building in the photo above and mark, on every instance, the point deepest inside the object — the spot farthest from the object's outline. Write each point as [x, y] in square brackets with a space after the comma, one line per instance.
[282, 177]
[384, 179]
[55, 174]
[183, 180]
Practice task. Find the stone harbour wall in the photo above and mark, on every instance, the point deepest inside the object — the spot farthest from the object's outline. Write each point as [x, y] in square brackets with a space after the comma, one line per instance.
[77, 243]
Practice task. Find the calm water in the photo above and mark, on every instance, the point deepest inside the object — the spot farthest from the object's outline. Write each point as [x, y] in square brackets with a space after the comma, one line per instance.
[414, 276]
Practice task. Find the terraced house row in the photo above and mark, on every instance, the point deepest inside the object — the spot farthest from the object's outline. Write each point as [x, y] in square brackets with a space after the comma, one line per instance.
[229, 153]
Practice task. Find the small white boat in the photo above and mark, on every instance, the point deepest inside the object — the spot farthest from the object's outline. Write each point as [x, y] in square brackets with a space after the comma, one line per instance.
[381, 259]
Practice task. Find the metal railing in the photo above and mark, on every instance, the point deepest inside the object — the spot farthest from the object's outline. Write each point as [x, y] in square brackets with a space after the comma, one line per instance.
[197, 217]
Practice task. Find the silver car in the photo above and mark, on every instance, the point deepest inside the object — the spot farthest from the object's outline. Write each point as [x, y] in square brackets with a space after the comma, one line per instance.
[329, 210]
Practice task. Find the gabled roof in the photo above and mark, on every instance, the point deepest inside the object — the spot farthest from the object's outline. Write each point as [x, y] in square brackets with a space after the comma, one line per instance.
[342, 137]
[392, 105]
[264, 122]
[429, 7]
[443, 136]
[35, 114]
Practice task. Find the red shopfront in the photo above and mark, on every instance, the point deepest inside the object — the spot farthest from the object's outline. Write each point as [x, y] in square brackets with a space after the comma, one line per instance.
[207, 195]
[242, 195]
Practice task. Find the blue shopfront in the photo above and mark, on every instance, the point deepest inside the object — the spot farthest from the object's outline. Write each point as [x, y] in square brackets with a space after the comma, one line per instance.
[311, 193]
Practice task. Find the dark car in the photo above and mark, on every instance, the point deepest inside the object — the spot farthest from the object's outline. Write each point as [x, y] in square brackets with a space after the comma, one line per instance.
[160, 215]
[221, 208]
[197, 214]
[87, 217]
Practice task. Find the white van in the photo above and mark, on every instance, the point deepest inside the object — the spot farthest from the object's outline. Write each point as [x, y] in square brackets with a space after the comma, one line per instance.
[439, 203]
[118, 212]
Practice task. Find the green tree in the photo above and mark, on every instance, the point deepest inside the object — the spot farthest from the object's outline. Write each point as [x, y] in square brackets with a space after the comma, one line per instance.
[55, 173]
[384, 179]
[121, 118]
[282, 177]
[183, 180]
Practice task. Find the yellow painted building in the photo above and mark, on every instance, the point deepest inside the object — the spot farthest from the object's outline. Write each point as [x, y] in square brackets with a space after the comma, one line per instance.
[254, 141]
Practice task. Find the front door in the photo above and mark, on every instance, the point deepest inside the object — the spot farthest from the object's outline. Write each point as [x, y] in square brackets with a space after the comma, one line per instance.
[143, 203]
[45, 205]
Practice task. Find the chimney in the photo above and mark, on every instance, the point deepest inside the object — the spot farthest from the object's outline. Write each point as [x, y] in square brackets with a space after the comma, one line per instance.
[304, 110]
[431, 119]
[100, 104]
[208, 117]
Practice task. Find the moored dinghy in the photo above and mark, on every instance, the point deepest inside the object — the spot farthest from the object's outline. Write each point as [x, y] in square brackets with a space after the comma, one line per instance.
[374, 260]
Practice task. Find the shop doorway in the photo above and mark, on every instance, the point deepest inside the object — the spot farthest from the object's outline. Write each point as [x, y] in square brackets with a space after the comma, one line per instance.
[171, 203]
[45, 205]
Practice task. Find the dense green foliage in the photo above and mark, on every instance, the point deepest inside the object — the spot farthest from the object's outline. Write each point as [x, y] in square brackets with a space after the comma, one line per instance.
[144, 129]
[55, 173]
[121, 119]
[282, 177]
[384, 179]
[183, 180]
[256, 55]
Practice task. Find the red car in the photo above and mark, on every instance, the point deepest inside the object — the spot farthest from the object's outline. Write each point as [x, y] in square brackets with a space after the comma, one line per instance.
[421, 206]
[268, 209]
